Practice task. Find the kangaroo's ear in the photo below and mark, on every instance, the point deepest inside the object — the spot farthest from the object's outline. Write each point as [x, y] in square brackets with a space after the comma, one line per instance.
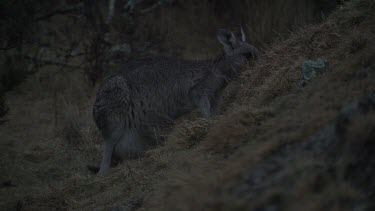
[226, 38]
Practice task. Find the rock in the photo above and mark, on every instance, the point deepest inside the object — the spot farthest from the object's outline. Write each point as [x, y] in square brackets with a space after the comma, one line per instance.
[327, 139]
[322, 155]
[121, 48]
[311, 69]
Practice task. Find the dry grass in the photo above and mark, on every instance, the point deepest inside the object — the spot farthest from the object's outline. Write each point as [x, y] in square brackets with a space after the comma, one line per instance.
[206, 165]
[187, 30]
[274, 112]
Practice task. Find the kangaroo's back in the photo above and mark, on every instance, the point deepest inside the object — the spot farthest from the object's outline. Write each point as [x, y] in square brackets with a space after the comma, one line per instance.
[147, 93]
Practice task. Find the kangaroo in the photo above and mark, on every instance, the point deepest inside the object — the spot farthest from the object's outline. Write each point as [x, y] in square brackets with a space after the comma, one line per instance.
[146, 93]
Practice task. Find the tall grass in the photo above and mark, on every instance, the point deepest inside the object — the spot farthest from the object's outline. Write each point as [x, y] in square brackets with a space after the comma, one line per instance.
[188, 29]
[265, 20]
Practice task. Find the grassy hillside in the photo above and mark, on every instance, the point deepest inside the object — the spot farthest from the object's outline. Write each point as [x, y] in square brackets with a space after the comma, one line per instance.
[287, 147]
[277, 145]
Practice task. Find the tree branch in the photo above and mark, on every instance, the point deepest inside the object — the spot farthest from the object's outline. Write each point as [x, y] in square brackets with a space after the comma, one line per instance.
[50, 62]
[60, 11]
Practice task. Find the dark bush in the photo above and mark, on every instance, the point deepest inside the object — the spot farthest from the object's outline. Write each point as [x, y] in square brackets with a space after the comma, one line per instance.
[3, 107]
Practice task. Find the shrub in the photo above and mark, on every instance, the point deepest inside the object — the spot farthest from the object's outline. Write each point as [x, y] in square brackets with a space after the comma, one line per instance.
[3, 107]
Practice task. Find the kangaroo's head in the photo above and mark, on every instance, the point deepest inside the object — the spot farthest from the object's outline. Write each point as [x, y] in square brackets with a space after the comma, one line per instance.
[237, 47]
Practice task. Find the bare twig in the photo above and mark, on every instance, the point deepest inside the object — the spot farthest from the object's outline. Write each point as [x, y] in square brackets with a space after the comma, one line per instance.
[59, 11]
[160, 3]
[111, 11]
[50, 62]
[130, 6]
[6, 48]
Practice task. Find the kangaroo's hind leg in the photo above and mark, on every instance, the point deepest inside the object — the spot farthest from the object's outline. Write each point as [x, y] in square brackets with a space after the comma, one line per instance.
[108, 148]
[205, 106]
[130, 145]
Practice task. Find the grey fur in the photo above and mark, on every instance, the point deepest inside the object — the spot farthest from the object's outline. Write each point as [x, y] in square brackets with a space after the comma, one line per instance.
[145, 94]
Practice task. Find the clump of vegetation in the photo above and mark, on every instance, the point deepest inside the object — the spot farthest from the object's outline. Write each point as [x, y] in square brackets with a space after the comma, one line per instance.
[3, 106]
[18, 29]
